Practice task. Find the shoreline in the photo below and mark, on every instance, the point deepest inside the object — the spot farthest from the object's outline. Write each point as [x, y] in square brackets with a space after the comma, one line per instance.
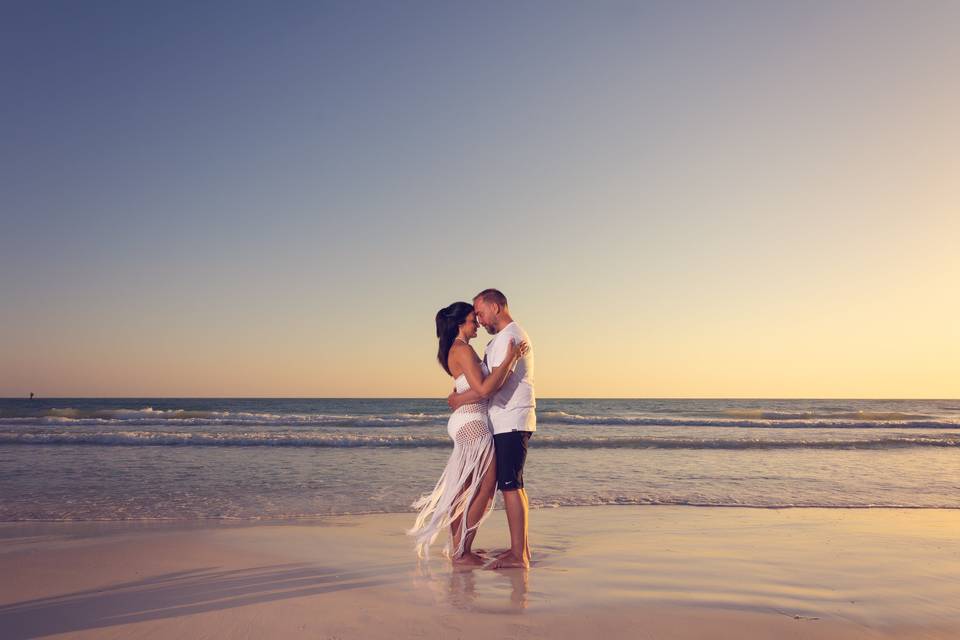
[498, 508]
[601, 570]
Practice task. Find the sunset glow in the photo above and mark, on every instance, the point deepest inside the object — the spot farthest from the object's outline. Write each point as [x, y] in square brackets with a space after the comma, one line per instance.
[742, 200]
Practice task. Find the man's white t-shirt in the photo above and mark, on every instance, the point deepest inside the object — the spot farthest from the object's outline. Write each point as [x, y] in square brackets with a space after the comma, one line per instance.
[513, 406]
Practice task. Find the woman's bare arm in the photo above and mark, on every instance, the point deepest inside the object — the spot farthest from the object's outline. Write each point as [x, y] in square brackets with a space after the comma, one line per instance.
[480, 387]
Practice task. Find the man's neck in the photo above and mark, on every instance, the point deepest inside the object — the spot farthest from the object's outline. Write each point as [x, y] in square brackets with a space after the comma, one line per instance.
[503, 321]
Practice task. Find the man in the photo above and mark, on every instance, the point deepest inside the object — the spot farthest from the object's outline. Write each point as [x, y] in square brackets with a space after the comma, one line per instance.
[513, 416]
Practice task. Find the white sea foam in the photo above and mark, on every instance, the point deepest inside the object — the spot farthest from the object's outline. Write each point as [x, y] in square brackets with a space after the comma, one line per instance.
[216, 439]
[261, 459]
[327, 440]
[147, 416]
[864, 416]
[549, 502]
[729, 418]
[796, 421]
[605, 500]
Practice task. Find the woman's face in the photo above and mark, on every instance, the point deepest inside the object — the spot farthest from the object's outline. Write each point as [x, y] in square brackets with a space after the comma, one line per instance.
[469, 326]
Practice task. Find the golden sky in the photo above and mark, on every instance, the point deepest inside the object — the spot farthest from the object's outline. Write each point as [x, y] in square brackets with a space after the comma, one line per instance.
[679, 201]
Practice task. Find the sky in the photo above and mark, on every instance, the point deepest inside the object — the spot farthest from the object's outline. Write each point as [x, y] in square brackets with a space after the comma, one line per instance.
[697, 199]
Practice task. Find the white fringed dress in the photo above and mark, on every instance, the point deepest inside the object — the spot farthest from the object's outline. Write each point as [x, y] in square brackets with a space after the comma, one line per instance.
[469, 427]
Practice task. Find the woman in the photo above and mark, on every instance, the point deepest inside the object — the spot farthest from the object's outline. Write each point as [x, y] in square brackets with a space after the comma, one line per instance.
[464, 494]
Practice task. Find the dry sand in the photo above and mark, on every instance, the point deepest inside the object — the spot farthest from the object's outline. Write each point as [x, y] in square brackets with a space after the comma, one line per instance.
[608, 572]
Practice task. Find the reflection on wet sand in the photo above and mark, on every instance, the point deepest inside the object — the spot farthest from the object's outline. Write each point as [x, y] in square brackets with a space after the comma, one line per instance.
[504, 591]
[464, 592]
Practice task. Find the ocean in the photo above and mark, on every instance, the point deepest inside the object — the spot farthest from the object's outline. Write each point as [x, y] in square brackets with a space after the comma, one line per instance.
[248, 459]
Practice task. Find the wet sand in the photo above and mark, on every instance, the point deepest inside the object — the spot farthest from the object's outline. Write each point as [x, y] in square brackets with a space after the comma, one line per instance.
[612, 572]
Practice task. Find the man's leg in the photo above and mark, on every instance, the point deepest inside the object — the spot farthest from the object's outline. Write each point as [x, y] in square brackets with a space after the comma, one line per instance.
[515, 503]
[526, 508]
[511, 456]
[526, 530]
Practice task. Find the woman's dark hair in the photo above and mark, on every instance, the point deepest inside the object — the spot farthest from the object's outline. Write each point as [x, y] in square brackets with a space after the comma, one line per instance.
[449, 320]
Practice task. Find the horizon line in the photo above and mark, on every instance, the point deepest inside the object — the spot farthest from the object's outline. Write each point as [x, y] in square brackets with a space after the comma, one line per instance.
[440, 398]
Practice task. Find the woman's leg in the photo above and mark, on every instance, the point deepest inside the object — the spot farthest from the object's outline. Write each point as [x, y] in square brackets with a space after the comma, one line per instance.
[481, 502]
[456, 525]
[455, 533]
[457, 529]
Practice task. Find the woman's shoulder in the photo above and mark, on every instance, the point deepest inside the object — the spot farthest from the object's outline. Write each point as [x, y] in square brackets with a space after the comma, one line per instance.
[461, 350]
[456, 355]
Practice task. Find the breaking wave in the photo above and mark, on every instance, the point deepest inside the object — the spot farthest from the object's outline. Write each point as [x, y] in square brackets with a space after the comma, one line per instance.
[148, 416]
[761, 419]
[333, 440]
[733, 418]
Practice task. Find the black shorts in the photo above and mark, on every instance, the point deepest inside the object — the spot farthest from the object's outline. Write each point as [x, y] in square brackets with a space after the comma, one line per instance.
[511, 452]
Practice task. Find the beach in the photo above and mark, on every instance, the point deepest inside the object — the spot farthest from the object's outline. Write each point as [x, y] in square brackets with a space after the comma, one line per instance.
[610, 571]
[278, 281]
[255, 518]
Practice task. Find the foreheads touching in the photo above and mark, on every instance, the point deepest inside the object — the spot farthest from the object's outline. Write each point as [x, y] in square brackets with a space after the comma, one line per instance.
[491, 308]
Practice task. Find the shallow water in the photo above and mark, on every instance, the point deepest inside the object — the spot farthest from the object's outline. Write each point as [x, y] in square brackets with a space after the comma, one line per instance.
[118, 459]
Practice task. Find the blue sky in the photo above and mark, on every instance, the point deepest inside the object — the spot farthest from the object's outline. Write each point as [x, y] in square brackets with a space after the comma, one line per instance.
[258, 199]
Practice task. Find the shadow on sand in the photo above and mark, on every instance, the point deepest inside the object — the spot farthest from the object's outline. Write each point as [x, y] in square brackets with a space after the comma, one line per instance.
[182, 593]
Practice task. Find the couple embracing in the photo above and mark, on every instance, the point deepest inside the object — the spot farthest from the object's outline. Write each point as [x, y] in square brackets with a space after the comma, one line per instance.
[494, 415]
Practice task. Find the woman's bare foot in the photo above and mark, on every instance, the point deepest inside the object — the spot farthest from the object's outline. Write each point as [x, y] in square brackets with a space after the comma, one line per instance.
[469, 559]
[508, 561]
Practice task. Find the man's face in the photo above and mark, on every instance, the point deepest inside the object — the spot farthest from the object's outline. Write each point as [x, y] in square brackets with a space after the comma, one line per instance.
[486, 313]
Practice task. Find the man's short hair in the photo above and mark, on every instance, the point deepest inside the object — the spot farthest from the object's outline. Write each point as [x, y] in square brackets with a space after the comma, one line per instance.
[492, 296]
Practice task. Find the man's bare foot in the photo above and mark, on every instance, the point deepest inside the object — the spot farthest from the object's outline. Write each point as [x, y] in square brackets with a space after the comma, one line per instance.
[508, 561]
[470, 559]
